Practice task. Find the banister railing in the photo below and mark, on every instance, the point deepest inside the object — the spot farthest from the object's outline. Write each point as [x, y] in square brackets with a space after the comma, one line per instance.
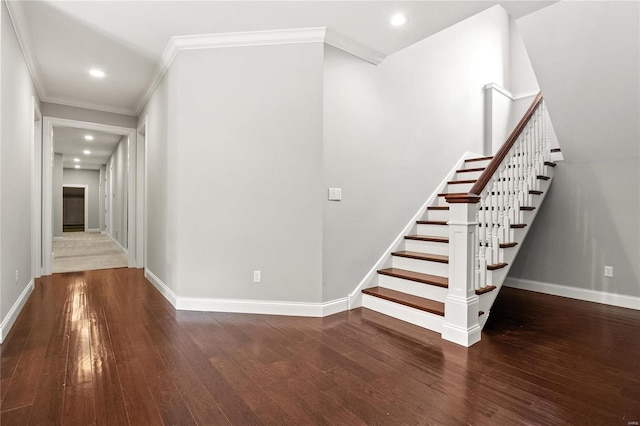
[482, 222]
[498, 158]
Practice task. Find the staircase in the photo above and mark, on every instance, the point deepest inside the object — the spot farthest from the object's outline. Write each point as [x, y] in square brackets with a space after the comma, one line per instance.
[447, 269]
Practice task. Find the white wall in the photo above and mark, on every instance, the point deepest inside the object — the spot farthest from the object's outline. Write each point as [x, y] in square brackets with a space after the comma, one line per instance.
[392, 132]
[56, 196]
[161, 182]
[242, 160]
[17, 90]
[117, 170]
[89, 115]
[90, 178]
[586, 56]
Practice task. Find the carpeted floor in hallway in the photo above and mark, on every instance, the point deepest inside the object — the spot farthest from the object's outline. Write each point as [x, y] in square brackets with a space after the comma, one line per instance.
[86, 251]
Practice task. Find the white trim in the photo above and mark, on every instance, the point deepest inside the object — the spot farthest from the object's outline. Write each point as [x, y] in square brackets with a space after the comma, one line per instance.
[355, 297]
[508, 94]
[21, 25]
[161, 287]
[86, 201]
[255, 38]
[587, 295]
[62, 100]
[122, 249]
[93, 230]
[335, 306]
[305, 309]
[36, 189]
[268, 307]
[58, 238]
[10, 318]
[353, 47]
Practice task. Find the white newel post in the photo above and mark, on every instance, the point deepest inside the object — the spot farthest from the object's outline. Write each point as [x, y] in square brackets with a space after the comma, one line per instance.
[462, 304]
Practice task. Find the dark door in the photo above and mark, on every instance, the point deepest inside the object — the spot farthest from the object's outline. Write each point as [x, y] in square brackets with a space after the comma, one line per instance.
[73, 209]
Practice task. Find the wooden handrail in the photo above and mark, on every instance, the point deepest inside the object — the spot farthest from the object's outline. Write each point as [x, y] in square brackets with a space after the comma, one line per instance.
[474, 193]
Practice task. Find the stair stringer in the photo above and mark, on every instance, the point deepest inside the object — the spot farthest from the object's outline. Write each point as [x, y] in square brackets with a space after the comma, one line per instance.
[498, 277]
[369, 280]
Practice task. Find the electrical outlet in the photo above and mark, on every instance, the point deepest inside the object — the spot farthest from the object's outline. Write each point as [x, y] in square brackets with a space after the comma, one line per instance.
[608, 271]
[257, 276]
[17, 276]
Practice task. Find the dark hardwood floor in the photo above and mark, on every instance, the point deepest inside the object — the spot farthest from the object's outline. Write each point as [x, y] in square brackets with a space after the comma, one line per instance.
[103, 347]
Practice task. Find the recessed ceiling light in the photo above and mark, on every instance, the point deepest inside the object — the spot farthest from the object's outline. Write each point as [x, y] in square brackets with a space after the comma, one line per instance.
[88, 137]
[76, 166]
[77, 160]
[398, 20]
[86, 152]
[94, 72]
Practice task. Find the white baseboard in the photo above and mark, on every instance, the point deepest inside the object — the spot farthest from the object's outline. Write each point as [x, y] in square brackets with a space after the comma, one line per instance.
[93, 230]
[58, 238]
[202, 304]
[161, 287]
[7, 322]
[124, 250]
[269, 307]
[612, 299]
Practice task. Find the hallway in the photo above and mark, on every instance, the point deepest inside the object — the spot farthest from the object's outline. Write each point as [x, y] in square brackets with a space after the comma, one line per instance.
[86, 251]
[105, 347]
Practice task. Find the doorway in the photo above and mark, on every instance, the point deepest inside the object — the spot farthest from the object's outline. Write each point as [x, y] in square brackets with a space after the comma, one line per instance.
[75, 209]
[119, 198]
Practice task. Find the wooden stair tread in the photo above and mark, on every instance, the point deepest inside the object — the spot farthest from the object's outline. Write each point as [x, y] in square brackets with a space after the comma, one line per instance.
[470, 160]
[454, 182]
[486, 289]
[535, 192]
[556, 150]
[416, 276]
[438, 208]
[550, 163]
[422, 256]
[444, 194]
[427, 238]
[508, 245]
[431, 222]
[543, 177]
[476, 169]
[527, 208]
[405, 299]
[518, 225]
[496, 266]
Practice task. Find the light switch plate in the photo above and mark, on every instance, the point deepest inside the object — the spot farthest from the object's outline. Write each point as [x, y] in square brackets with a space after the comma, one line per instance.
[335, 194]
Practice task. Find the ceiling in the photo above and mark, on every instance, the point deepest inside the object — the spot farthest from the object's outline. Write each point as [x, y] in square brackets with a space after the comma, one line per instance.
[62, 40]
[70, 142]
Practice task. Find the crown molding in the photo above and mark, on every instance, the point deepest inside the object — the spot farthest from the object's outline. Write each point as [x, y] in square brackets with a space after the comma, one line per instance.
[88, 105]
[192, 42]
[255, 38]
[353, 47]
[20, 26]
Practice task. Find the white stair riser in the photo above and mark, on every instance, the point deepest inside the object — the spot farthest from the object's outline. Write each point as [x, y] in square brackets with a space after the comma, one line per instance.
[404, 313]
[441, 201]
[427, 291]
[459, 187]
[476, 164]
[438, 215]
[468, 175]
[434, 230]
[422, 266]
[427, 247]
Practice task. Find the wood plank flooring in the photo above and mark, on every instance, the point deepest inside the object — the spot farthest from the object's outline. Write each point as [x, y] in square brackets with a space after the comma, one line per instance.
[104, 347]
